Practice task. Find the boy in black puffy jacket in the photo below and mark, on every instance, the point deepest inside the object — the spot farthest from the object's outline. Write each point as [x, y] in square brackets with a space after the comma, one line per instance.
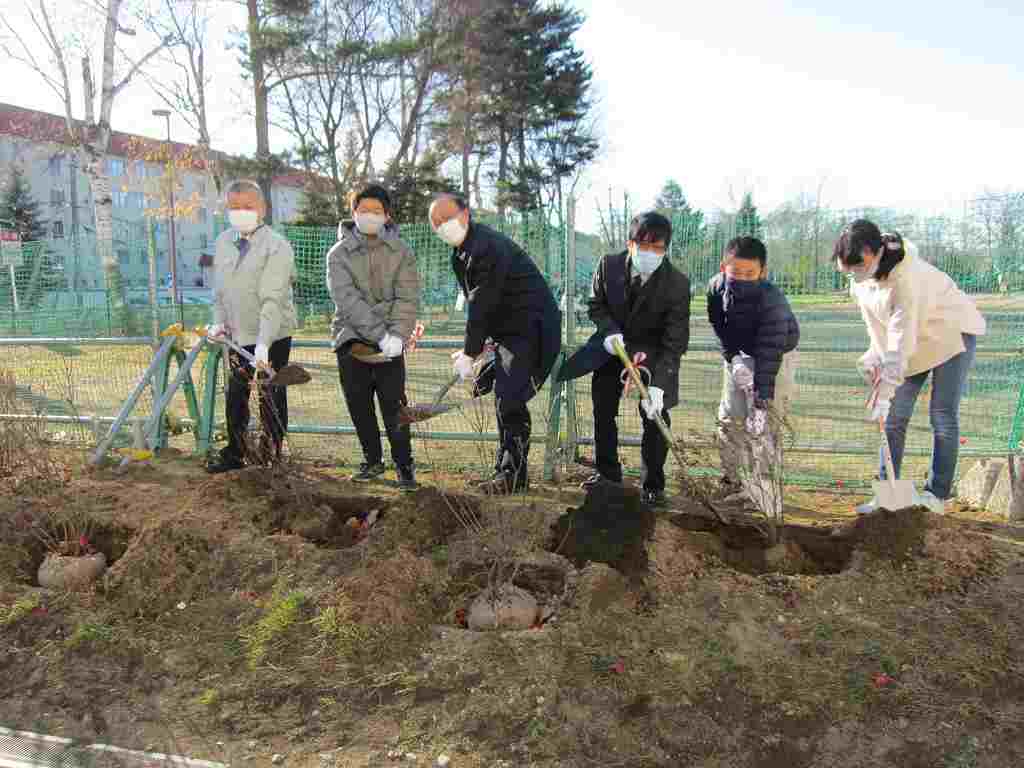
[759, 334]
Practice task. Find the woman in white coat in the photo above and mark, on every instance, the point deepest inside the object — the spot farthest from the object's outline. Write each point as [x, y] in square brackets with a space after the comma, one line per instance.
[919, 323]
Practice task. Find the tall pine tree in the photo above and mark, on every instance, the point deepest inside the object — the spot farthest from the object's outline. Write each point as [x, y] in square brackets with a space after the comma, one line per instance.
[688, 226]
[748, 222]
[21, 210]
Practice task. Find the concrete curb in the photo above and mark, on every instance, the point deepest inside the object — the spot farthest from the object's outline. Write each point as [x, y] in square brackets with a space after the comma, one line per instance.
[25, 749]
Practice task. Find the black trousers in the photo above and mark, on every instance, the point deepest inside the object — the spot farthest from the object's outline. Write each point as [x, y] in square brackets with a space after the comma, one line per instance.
[273, 401]
[606, 392]
[359, 382]
[522, 364]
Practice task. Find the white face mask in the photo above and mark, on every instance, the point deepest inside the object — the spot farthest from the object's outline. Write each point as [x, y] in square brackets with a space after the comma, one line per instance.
[863, 274]
[646, 262]
[243, 221]
[452, 232]
[370, 223]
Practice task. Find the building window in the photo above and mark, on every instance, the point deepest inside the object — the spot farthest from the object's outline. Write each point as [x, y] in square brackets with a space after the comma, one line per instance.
[120, 198]
[202, 215]
[56, 196]
[58, 229]
[134, 201]
[204, 241]
[124, 257]
[201, 187]
[115, 167]
[56, 166]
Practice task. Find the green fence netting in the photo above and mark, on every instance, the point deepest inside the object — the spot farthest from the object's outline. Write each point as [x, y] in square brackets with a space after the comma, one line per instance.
[61, 348]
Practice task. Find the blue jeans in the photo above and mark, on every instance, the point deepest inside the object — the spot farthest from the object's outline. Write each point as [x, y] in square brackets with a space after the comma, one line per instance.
[948, 384]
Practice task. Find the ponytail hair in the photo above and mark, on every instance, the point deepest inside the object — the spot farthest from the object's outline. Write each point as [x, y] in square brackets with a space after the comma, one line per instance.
[895, 251]
[855, 237]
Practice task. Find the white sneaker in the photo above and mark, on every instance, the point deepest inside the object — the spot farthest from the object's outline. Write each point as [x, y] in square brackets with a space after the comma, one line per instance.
[867, 507]
[932, 502]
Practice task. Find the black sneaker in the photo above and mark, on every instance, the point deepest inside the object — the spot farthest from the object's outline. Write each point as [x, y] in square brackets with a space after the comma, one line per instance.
[223, 462]
[655, 499]
[368, 472]
[407, 479]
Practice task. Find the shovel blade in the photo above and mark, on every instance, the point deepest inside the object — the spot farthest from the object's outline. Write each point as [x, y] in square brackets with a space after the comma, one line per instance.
[290, 376]
[414, 414]
[895, 495]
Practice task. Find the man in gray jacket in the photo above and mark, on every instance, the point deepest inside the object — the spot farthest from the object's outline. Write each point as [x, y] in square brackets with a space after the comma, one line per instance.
[372, 277]
[253, 270]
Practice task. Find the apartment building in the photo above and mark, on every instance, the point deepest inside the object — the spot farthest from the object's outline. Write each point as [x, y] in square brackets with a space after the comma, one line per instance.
[35, 142]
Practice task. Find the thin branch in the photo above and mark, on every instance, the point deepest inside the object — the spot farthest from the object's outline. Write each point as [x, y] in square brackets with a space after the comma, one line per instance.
[139, 64]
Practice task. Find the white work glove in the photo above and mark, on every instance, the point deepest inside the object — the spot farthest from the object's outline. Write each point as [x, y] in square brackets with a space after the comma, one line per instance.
[462, 364]
[655, 402]
[262, 355]
[216, 330]
[757, 419]
[391, 345]
[741, 374]
[881, 410]
[869, 365]
[609, 342]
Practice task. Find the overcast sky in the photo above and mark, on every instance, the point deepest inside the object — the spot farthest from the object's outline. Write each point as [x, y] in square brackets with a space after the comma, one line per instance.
[897, 102]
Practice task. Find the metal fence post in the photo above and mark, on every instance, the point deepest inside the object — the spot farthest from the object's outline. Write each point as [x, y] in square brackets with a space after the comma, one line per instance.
[208, 409]
[551, 445]
[570, 328]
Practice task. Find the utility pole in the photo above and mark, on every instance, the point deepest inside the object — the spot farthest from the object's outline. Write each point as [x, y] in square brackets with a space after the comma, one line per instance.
[175, 295]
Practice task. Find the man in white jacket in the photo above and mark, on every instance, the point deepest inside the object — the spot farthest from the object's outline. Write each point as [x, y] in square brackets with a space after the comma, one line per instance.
[919, 323]
[253, 271]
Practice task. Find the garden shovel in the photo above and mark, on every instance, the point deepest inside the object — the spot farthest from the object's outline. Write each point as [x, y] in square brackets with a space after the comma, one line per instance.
[620, 352]
[891, 494]
[413, 414]
[364, 353]
[287, 376]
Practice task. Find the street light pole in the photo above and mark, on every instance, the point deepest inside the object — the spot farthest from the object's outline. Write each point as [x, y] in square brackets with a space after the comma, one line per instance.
[176, 297]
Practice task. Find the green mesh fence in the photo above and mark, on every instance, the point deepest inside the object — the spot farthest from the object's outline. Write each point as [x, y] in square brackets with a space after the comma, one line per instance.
[79, 381]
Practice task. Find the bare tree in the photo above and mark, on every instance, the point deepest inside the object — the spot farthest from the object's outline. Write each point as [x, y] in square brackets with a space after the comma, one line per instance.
[90, 136]
[328, 108]
[184, 23]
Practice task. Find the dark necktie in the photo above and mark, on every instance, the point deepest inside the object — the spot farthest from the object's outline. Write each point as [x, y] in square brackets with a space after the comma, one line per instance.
[243, 247]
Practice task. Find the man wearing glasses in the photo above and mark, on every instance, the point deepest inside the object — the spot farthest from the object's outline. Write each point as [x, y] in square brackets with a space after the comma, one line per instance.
[642, 302]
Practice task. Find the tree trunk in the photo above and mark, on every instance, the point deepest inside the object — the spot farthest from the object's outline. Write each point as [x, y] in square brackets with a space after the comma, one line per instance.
[466, 147]
[1015, 465]
[503, 147]
[99, 184]
[476, 183]
[261, 98]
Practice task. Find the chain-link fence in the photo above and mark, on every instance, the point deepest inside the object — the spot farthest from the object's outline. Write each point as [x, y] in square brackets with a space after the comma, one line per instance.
[71, 362]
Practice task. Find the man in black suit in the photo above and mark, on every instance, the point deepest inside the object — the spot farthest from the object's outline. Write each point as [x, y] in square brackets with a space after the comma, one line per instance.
[640, 300]
[511, 304]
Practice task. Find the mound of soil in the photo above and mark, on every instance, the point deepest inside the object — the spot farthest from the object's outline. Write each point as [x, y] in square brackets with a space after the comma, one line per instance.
[613, 527]
[895, 536]
[428, 519]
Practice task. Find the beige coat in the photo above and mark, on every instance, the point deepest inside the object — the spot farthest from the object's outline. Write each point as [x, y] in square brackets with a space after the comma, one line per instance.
[916, 315]
[252, 296]
[375, 286]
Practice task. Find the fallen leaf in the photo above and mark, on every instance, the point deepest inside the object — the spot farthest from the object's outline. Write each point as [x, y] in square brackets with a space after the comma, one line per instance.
[881, 680]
